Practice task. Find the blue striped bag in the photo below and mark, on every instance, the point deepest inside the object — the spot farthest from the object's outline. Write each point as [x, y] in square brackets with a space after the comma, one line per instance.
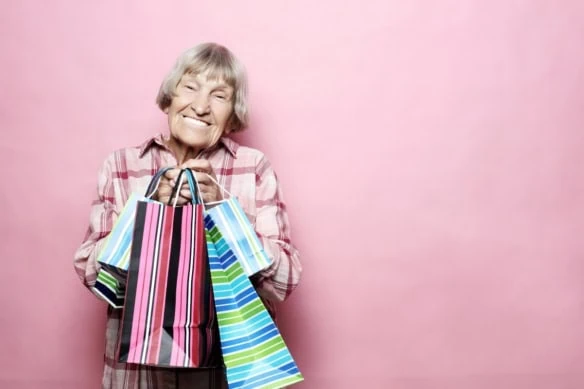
[254, 352]
[116, 251]
[114, 257]
[238, 233]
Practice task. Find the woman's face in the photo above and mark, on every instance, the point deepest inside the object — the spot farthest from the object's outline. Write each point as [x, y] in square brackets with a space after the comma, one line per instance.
[200, 111]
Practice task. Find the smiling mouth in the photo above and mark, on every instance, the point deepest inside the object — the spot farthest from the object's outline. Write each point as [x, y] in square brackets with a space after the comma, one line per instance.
[195, 122]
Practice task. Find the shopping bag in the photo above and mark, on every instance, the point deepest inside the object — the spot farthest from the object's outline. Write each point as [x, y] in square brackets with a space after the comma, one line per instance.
[115, 254]
[116, 250]
[254, 352]
[169, 316]
[238, 233]
[109, 287]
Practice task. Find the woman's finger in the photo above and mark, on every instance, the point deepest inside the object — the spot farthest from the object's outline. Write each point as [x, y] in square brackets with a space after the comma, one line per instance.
[200, 165]
[186, 193]
[171, 174]
[164, 189]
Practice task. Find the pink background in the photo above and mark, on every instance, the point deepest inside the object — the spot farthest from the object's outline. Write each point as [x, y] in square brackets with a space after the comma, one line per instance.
[430, 152]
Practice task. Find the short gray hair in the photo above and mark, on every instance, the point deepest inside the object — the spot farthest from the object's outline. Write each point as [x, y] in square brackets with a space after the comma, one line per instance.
[222, 65]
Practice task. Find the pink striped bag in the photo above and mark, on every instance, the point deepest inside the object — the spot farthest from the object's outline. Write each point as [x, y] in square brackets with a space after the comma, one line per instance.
[169, 315]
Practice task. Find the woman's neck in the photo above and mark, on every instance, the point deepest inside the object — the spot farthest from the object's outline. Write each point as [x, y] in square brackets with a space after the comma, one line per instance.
[181, 152]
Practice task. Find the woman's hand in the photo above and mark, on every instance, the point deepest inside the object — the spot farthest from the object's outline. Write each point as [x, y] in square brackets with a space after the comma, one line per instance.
[166, 186]
[202, 169]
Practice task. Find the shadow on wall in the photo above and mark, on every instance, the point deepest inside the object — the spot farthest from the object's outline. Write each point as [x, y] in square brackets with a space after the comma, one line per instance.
[294, 324]
[293, 318]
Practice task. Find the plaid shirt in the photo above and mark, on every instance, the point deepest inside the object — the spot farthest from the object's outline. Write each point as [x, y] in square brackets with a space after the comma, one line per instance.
[244, 172]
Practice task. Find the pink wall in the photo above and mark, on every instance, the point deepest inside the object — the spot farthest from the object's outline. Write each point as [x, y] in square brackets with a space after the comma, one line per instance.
[430, 152]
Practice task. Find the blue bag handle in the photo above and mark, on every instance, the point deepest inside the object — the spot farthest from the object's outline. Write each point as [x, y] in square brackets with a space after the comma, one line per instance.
[194, 187]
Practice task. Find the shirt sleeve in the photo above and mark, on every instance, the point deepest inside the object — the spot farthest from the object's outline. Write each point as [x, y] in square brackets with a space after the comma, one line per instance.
[102, 217]
[278, 281]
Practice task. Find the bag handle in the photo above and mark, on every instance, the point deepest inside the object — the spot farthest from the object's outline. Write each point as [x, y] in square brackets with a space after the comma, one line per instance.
[193, 186]
[219, 185]
[198, 190]
[155, 181]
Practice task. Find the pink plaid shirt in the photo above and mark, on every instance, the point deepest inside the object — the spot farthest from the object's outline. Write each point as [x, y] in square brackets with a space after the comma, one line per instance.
[245, 173]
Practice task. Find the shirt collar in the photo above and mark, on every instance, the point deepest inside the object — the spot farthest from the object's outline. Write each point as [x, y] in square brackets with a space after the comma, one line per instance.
[159, 141]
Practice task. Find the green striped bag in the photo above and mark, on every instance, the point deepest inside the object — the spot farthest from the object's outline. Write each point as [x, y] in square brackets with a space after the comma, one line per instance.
[110, 288]
[254, 352]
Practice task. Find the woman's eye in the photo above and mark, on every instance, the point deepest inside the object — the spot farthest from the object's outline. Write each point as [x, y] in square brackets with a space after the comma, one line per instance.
[221, 97]
[190, 87]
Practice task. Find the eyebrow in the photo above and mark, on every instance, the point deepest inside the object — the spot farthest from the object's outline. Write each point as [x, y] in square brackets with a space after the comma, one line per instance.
[223, 88]
[191, 80]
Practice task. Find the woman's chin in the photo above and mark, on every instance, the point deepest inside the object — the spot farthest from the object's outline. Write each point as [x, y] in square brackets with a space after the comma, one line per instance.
[191, 140]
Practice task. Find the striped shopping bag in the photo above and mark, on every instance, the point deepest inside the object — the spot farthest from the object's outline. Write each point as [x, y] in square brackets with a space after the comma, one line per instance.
[116, 250]
[169, 316]
[114, 257]
[239, 235]
[254, 352]
[110, 288]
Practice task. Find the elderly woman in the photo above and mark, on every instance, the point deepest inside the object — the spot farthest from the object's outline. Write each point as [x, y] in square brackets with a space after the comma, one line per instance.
[204, 96]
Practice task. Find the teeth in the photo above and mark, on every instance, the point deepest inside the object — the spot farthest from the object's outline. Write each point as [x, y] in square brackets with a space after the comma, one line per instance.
[194, 122]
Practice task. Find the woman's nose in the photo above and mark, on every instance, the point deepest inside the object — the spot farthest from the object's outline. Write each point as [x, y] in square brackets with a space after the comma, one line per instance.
[200, 105]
